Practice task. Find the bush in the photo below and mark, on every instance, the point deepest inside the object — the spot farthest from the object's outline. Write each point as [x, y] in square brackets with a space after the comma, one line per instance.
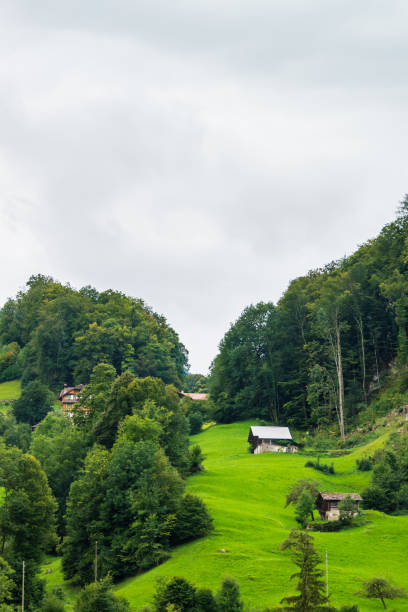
[205, 601]
[321, 467]
[196, 460]
[52, 603]
[228, 597]
[177, 592]
[196, 422]
[97, 596]
[365, 464]
[326, 526]
[192, 520]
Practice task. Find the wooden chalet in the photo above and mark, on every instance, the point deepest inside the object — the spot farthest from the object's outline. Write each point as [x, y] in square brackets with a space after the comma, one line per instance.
[271, 440]
[328, 504]
[69, 396]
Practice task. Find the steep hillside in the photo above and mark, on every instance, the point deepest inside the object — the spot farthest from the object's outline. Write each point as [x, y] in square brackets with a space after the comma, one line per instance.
[246, 495]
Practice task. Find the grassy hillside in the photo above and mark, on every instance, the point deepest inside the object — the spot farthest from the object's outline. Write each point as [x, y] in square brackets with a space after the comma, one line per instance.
[10, 390]
[246, 495]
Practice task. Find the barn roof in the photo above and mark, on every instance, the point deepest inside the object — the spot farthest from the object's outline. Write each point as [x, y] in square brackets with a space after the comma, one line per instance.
[339, 496]
[271, 433]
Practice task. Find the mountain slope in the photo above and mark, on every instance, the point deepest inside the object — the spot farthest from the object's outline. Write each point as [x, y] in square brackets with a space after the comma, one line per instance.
[246, 495]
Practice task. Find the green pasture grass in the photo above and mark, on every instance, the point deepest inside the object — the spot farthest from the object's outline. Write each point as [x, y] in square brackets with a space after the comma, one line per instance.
[51, 571]
[246, 496]
[10, 390]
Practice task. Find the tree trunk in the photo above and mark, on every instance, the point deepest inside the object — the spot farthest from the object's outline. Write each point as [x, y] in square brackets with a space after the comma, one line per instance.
[339, 367]
[359, 321]
[383, 603]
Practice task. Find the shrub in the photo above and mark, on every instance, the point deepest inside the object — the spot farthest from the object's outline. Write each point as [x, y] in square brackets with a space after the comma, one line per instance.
[228, 597]
[97, 596]
[347, 508]
[192, 520]
[177, 592]
[365, 464]
[205, 601]
[321, 467]
[196, 459]
[196, 422]
[326, 526]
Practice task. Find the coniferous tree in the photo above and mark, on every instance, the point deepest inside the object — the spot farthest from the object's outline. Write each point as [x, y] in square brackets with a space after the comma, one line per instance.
[310, 585]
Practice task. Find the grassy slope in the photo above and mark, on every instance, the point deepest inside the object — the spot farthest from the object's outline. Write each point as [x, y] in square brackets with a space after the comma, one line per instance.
[10, 390]
[246, 494]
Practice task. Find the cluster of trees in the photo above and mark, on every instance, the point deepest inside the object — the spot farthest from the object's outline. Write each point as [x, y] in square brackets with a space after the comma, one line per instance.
[178, 595]
[117, 471]
[52, 333]
[27, 527]
[314, 358]
[108, 481]
[388, 491]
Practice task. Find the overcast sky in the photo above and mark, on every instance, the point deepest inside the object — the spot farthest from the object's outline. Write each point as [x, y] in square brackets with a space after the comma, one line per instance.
[199, 154]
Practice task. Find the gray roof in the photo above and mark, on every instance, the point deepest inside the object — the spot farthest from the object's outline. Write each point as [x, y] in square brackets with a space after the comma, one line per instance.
[340, 496]
[271, 433]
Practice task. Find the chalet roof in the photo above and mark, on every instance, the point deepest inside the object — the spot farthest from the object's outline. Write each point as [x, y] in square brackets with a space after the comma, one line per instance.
[195, 396]
[339, 496]
[271, 433]
[67, 390]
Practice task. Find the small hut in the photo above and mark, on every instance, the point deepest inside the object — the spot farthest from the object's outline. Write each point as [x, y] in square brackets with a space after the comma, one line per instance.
[328, 504]
[271, 440]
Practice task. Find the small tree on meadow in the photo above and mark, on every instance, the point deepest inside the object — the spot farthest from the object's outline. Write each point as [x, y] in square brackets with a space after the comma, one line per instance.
[379, 588]
[347, 509]
[228, 597]
[304, 484]
[205, 601]
[176, 592]
[310, 584]
[304, 508]
[97, 596]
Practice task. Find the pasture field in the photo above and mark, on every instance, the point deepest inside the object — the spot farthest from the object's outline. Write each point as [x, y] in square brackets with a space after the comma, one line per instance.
[246, 496]
[10, 390]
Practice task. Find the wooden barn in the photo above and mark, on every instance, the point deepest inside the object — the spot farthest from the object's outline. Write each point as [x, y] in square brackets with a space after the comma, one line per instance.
[271, 440]
[328, 504]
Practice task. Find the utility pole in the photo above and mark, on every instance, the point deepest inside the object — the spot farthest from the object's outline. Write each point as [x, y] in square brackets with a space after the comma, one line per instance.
[96, 561]
[327, 579]
[22, 589]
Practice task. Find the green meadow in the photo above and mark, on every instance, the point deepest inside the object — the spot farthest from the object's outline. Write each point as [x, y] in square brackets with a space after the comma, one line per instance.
[246, 496]
[10, 390]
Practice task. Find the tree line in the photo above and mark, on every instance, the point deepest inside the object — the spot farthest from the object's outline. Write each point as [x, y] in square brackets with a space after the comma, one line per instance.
[318, 355]
[55, 334]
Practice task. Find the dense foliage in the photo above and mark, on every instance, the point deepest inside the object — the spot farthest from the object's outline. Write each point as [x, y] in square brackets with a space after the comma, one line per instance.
[27, 522]
[126, 498]
[389, 489]
[180, 595]
[315, 357]
[56, 334]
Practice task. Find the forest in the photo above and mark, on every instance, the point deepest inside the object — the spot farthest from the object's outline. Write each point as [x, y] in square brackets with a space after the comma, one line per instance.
[320, 355]
[109, 480]
[56, 334]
